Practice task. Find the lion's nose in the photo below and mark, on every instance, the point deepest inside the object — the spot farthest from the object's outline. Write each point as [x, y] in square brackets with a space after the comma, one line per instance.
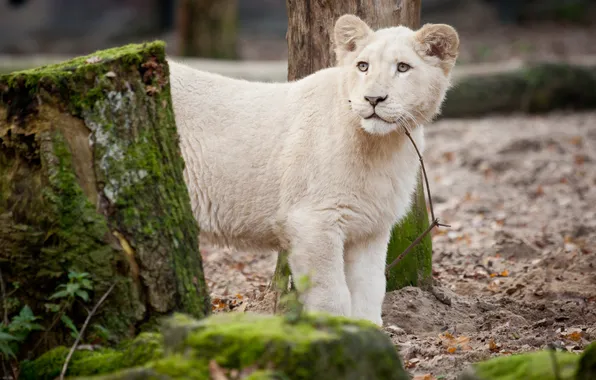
[374, 100]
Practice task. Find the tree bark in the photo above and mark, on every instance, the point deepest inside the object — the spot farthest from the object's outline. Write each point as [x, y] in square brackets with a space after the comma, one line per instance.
[310, 48]
[208, 28]
[310, 27]
[91, 180]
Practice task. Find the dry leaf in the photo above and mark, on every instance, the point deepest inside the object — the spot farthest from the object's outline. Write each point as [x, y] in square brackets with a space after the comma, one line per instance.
[427, 376]
[451, 350]
[493, 347]
[151, 90]
[216, 372]
[504, 273]
[575, 336]
[576, 140]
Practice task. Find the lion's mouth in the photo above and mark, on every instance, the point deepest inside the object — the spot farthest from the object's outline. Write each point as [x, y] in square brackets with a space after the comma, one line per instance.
[375, 116]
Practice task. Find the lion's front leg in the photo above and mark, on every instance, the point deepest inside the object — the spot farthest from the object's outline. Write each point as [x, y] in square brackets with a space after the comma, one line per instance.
[365, 273]
[317, 251]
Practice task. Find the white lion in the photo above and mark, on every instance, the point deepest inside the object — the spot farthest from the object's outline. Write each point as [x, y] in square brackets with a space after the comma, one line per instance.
[320, 166]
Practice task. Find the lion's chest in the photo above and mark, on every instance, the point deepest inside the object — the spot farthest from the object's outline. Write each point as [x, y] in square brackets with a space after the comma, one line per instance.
[384, 198]
[368, 199]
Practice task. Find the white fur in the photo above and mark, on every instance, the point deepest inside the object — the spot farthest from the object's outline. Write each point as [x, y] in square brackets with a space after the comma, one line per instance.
[295, 166]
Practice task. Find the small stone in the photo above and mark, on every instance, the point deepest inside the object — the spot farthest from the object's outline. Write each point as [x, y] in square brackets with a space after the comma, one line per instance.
[396, 330]
[540, 323]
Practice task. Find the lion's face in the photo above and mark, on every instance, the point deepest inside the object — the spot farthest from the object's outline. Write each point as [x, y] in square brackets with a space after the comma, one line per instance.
[394, 76]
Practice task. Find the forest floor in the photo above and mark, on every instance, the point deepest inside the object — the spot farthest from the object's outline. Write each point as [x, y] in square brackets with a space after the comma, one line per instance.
[514, 273]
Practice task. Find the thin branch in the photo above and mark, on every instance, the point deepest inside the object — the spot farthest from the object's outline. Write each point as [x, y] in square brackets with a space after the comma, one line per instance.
[4, 307]
[79, 337]
[435, 221]
[430, 200]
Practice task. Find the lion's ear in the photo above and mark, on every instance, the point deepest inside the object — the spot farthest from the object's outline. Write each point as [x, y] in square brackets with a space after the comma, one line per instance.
[349, 35]
[440, 42]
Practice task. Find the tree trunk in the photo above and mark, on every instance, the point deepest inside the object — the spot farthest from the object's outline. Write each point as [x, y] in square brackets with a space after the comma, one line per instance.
[310, 31]
[91, 180]
[208, 28]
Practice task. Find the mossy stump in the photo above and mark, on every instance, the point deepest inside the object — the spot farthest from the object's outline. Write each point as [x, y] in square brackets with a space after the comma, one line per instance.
[91, 180]
[247, 346]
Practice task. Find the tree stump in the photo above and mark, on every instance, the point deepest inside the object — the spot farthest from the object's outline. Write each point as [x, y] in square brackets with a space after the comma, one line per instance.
[91, 180]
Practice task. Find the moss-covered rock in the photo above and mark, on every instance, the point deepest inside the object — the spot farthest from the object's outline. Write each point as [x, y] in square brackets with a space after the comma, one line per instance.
[260, 347]
[91, 180]
[315, 346]
[587, 364]
[539, 365]
[144, 348]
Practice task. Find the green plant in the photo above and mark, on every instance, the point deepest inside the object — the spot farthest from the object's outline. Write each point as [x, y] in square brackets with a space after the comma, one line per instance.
[16, 331]
[77, 286]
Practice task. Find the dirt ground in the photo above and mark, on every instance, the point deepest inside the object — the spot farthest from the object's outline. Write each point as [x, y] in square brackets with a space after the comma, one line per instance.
[515, 272]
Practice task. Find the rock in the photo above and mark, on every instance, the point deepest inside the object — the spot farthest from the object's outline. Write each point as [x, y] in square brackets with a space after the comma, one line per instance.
[531, 366]
[315, 346]
[587, 364]
[146, 347]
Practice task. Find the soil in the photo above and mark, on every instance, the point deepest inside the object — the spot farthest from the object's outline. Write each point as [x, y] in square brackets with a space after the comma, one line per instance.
[516, 270]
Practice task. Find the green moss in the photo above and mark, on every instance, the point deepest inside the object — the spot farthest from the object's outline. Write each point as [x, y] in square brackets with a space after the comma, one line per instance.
[415, 269]
[145, 348]
[314, 346]
[117, 208]
[587, 364]
[87, 70]
[535, 89]
[268, 347]
[531, 366]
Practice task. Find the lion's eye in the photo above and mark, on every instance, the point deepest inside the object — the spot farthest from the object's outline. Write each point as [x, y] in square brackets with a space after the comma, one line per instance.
[363, 66]
[403, 67]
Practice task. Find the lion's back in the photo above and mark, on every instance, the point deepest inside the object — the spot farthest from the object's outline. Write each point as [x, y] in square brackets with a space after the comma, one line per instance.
[229, 134]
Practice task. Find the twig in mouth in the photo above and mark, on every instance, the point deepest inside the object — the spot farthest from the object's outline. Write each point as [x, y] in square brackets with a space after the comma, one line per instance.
[74, 346]
[435, 221]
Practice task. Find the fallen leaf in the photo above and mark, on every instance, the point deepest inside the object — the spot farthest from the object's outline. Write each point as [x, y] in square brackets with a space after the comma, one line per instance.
[575, 336]
[151, 90]
[216, 372]
[448, 156]
[576, 140]
[579, 159]
[504, 273]
[427, 376]
[493, 347]
[451, 350]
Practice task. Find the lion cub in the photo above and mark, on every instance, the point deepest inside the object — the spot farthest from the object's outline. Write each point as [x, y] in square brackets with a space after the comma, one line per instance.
[318, 166]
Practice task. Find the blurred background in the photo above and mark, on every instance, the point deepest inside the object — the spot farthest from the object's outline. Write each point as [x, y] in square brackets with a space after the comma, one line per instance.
[492, 30]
